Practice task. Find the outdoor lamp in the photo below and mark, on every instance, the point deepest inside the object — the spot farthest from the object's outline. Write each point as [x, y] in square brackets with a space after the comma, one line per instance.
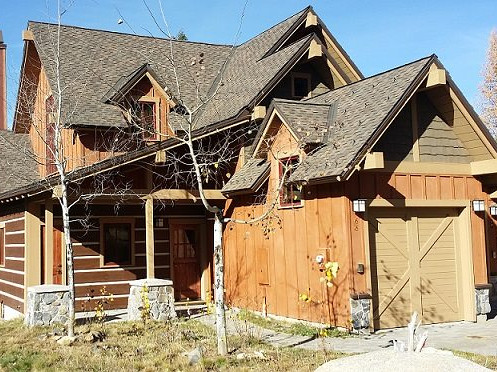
[359, 205]
[478, 205]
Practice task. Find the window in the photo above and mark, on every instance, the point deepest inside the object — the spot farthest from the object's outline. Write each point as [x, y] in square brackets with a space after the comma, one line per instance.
[301, 85]
[117, 243]
[148, 119]
[290, 194]
[2, 246]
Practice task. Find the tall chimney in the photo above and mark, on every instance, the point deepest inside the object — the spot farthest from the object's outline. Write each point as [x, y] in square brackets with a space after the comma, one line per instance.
[3, 83]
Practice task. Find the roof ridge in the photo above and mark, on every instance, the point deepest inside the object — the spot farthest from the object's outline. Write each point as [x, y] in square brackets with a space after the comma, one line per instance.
[373, 76]
[129, 34]
[277, 24]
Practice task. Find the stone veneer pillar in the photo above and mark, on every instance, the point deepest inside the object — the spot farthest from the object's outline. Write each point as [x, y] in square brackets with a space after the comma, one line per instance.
[360, 311]
[482, 298]
[160, 296]
[46, 305]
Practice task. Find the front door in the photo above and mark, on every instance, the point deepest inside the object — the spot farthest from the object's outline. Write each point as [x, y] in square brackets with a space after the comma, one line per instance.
[57, 257]
[186, 246]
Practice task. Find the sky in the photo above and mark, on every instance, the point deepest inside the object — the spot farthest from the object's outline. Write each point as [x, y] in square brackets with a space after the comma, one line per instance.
[378, 35]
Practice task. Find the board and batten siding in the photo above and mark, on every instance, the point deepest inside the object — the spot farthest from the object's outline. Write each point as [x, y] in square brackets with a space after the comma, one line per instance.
[12, 273]
[382, 185]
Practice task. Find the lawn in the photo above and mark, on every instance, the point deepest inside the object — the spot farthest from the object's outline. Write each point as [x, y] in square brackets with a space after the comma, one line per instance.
[157, 346]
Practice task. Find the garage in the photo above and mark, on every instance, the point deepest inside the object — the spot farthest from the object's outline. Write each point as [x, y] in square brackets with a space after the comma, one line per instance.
[416, 265]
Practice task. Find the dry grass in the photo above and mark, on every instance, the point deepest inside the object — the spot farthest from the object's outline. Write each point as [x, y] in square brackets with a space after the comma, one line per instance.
[130, 346]
[489, 362]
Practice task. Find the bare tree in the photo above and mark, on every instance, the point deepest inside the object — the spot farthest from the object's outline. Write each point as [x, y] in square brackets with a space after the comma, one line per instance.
[488, 88]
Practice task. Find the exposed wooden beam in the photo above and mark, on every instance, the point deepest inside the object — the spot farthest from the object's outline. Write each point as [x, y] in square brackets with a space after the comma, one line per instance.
[374, 160]
[183, 194]
[160, 156]
[149, 238]
[493, 195]
[32, 253]
[436, 76]
[258, 113]
[311, 20]
[483, 167]
[315, 50]
[27, 35]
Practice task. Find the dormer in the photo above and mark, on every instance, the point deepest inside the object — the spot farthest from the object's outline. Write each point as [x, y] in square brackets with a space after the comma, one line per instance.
[144, 103]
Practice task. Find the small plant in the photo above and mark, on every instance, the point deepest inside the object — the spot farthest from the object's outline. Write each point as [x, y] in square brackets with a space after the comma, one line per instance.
[211, 307]
[105, 298]
[145, 308]
[330, 271]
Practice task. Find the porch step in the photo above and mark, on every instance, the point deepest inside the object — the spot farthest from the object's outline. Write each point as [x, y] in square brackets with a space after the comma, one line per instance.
[188, 308]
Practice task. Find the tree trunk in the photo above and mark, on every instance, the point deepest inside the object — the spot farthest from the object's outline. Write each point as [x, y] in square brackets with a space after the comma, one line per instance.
[222, 347]
[69, 259]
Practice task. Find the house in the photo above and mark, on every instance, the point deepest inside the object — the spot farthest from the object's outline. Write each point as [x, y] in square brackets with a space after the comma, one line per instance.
[391, 176]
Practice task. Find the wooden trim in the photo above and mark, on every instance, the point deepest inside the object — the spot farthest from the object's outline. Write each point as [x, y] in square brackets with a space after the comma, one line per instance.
[32, 254]
[149, 238]
[401, 203]
[436, 76]
[374, 160]
[48, 244]
[183, 194]
[465, 244]
[157, 86]
[112, 220]
[483, 167]
[415, 131]
[427, 168]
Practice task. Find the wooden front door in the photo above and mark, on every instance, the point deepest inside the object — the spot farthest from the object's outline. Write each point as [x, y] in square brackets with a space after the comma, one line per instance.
[57, 257]
[415, 266]
[186, 245]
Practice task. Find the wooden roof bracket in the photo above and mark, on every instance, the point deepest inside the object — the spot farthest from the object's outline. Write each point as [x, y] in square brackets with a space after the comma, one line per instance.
[311, 20]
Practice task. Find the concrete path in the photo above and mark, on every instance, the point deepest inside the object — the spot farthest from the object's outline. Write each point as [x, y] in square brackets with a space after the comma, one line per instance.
[480, 338]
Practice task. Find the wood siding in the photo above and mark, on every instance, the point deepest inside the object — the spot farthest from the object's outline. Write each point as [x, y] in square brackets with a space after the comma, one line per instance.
[12, 274]
[91, 277]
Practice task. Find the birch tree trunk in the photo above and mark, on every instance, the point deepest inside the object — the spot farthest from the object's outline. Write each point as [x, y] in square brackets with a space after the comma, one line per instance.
[69, 259]
[222, 347]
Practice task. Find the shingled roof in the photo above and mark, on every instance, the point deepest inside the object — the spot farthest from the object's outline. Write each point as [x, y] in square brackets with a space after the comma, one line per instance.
[18, 167]
[248, 178]
[95, 63]
[362, 108]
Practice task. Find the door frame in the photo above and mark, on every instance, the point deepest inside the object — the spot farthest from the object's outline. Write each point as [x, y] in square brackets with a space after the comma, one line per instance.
[464, 251]
[203, 262]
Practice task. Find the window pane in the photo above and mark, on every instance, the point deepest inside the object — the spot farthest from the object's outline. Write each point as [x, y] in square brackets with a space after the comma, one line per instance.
[290, 193]
[300, 86]
[117, 244]
[147, 118]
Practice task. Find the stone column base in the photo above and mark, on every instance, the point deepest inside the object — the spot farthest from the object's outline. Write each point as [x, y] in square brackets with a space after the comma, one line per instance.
[482, 298]
[47, 304]
[160, 295]
[360, 311]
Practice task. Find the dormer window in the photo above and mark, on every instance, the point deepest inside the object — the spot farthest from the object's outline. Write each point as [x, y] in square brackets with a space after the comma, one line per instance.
[301, 85]
[290, 194]
[148, 116]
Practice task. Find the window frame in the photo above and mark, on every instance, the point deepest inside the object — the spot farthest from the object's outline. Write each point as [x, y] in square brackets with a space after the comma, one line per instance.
[291, 204]
[2, 244]
[301, 75]
[157, 120]
[117, 221]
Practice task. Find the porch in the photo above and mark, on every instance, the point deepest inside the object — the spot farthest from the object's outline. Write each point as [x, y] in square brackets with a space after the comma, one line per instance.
[166, 234]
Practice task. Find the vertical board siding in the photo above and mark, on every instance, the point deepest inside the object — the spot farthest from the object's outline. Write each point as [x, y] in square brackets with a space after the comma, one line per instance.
[12, 274]
[316, 228]
[326, 224]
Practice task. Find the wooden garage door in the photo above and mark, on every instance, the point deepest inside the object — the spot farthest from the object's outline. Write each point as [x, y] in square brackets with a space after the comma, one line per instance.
[414, 265]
